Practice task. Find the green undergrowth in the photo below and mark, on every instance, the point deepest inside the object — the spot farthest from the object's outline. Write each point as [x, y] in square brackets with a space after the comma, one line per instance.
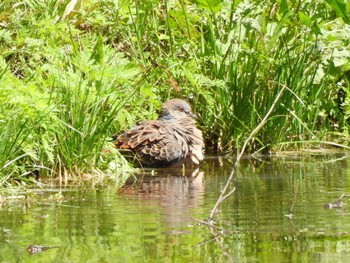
[72, 73]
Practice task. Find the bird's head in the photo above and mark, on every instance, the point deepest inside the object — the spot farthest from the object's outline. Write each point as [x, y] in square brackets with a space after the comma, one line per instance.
[176, 109]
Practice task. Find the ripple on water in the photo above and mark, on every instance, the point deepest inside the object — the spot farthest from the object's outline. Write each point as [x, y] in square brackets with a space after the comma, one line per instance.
[154, 217]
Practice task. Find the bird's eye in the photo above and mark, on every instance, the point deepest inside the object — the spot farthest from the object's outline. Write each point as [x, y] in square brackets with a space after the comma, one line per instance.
[181, 109]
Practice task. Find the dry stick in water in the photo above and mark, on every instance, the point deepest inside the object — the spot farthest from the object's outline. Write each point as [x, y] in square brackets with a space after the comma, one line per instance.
[290, 215]
[223, 194]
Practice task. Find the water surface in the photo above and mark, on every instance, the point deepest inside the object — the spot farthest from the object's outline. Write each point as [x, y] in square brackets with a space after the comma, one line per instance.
[156, 217]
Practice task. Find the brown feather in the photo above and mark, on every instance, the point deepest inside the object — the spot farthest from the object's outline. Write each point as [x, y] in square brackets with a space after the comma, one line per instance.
[171, 138]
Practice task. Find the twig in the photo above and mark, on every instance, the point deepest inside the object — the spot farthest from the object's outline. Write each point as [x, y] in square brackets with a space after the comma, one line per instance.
[290, 214]
[209, 224]
[231, 192]
[341, 197]
[294, 198]
[207, 240]
[223, 194]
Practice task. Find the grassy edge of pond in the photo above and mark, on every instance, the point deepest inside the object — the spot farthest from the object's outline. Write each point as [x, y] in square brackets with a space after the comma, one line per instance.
[72, 74]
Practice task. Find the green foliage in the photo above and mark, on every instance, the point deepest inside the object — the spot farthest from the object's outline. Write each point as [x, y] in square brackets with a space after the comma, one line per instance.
[14, 134]
[241, 56]
[69, 88]
[340, 8]
[74, 72]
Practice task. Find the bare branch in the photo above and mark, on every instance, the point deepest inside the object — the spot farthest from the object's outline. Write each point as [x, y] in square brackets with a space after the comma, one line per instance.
[223, 194]
[290, 214]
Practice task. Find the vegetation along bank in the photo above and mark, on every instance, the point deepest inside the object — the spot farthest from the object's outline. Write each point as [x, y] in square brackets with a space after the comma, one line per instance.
[72, 73]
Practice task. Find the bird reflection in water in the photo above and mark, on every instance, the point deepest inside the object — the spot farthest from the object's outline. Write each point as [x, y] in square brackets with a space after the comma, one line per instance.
[176, 191]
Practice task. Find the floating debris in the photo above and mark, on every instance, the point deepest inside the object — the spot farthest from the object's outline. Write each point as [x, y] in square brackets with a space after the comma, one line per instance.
[33, 249]
[336, 205]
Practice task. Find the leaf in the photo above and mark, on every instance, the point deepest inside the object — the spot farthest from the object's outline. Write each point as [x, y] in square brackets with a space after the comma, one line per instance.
[341, 57]
[304, 19]
[163, 37]
[73, 4]
[97, 53]
[210, 5]
[340, 8]
[283, 7]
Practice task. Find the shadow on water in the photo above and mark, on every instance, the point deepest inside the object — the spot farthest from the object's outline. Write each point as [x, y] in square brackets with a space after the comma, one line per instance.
[155, 215]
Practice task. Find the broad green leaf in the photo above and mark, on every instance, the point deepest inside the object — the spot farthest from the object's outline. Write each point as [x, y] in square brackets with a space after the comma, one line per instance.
[340, 8]
[304, 19]
[210, 5]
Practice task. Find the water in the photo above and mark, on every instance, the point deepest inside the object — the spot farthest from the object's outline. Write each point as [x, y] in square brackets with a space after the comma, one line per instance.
[157, 218]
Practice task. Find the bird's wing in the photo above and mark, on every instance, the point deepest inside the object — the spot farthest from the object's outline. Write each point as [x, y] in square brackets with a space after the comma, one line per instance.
[166, 150]
[153, 140]
[143, 133]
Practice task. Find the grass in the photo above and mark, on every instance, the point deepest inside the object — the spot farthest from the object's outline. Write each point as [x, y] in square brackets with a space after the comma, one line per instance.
[14, 133]
[74, 72]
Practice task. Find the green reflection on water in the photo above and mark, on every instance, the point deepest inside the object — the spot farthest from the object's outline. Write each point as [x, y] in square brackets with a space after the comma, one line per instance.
[155, 219]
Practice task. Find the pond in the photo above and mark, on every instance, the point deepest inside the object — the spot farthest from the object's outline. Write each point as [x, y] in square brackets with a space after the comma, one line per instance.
[280, 211]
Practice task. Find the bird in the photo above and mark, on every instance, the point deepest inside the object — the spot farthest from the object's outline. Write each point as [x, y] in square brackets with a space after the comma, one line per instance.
[170, 139]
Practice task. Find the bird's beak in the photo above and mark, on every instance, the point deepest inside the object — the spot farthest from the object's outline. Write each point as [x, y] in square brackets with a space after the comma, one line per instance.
[193, 116]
